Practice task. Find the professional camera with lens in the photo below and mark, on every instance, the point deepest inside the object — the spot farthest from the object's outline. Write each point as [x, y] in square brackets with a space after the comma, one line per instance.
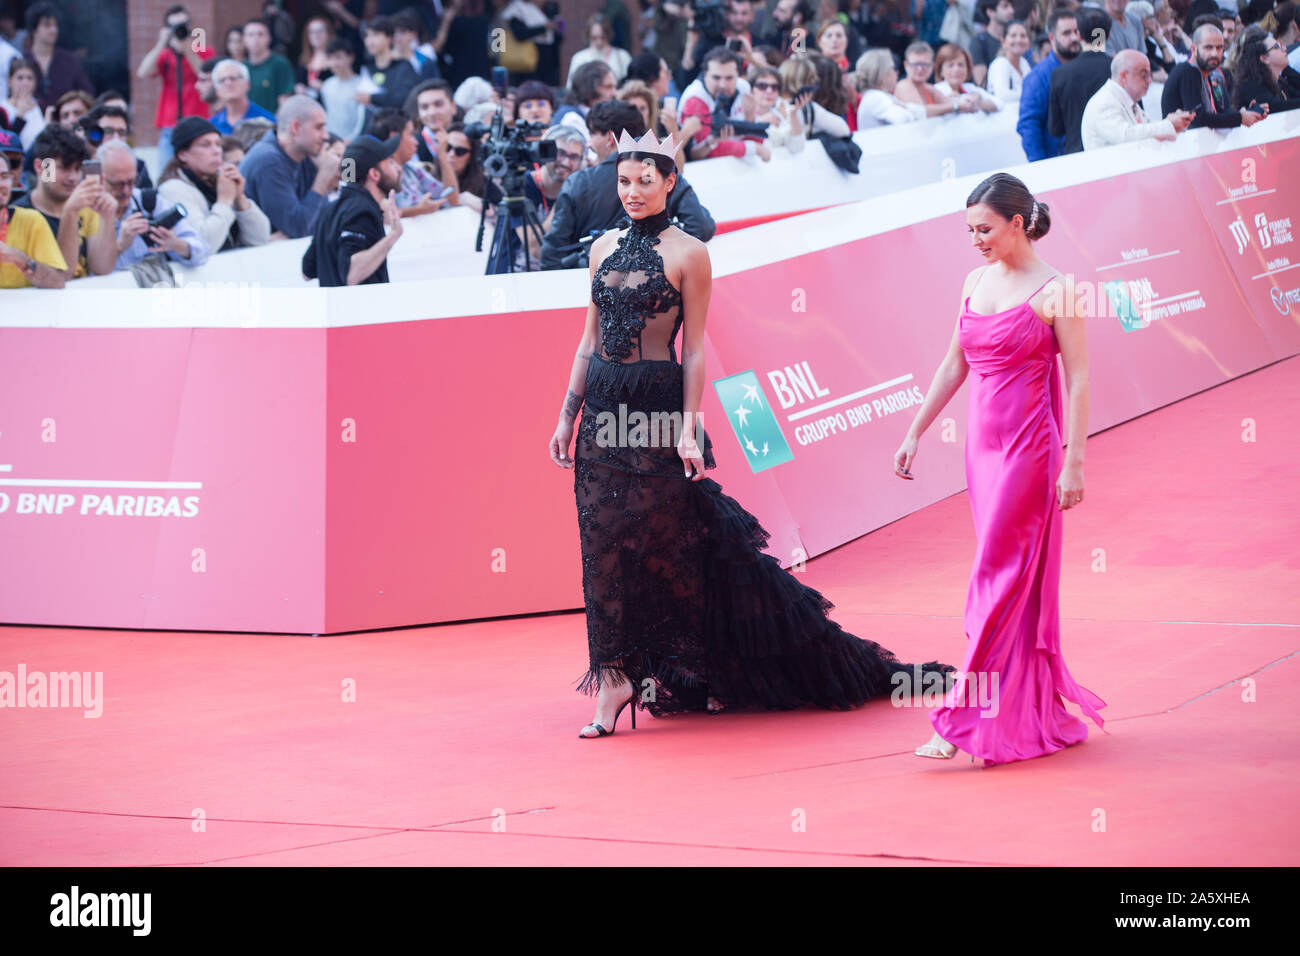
[508, 152]
[508, 155]
[89, 128]
[169, 219]
[166, 220]
[710, 18]
[722, 117]
[181, 30]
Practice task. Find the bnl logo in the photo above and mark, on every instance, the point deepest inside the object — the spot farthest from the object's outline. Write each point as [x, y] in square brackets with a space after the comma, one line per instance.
[1125, 310]
[753, 421]
[1240, 234]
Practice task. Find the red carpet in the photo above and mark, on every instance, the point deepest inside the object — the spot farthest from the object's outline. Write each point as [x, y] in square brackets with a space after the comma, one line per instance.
[1179, 581]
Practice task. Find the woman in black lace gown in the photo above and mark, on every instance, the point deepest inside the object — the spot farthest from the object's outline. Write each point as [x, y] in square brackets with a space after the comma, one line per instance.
[685, 611]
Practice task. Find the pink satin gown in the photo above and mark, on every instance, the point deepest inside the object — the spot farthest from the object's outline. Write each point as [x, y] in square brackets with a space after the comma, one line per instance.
[1007, 703]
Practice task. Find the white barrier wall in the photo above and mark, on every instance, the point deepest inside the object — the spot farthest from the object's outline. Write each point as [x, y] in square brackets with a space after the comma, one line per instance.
[310, 460]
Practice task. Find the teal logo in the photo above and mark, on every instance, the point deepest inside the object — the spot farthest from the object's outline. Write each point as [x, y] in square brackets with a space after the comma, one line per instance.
[1122, 303]
[753, 421]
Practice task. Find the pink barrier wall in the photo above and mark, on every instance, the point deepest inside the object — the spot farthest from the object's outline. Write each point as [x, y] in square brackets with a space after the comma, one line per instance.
[417, 450]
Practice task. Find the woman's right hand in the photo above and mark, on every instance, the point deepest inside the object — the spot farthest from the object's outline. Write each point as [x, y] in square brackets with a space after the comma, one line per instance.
[903, 458]
[227, 188]
[560, 442]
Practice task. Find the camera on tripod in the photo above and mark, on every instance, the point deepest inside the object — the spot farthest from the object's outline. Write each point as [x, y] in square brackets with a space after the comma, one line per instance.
[509, 151]
[508, 155]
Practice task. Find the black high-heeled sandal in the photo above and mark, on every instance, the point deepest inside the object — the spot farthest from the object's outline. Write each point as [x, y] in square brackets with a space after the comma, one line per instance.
[601, 731]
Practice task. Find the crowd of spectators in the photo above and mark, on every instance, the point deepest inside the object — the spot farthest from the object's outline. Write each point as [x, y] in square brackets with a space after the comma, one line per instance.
[372, 113]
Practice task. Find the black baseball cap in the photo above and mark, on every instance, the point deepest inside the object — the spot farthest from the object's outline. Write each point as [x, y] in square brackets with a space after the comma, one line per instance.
[367, 152]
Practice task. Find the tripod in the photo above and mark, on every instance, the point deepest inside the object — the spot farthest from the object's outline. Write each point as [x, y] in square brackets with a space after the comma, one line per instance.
[511, 204]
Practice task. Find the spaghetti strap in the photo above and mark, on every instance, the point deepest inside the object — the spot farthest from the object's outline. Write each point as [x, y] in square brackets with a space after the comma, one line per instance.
[1040, 288]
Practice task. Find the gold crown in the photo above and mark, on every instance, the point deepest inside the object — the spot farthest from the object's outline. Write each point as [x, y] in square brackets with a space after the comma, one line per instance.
[647, 144]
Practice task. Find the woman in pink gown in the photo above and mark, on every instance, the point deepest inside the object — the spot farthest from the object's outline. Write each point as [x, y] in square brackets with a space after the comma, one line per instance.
[1015, 316]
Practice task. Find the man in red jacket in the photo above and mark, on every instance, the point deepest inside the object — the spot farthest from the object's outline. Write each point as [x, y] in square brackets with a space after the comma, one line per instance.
[176, 44]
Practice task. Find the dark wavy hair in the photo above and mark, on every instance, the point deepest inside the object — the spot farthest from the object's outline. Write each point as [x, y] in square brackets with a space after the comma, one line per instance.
[472, 180]
[55, 142]
[388, 122]
[1250, 68]
[1009, 197]
[831, 94]
[586, 82]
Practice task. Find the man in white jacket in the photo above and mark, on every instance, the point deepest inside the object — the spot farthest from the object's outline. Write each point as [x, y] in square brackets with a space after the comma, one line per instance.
[1114, 114]
[719, 78]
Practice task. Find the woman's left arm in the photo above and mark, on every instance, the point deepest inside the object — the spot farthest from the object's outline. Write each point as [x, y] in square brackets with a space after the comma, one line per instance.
[697, 286]
[1068, 324]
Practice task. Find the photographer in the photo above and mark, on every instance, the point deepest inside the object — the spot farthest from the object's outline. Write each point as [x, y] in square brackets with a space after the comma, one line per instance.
[789, 20]
[107, 122]
[175, 46]
[139, 232]
[719, 81]
[541, 187]
[589, 201]
[544, 184]
[718, 23]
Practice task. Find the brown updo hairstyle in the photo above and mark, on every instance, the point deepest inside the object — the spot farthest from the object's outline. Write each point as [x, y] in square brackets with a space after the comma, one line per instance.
[1009, 197]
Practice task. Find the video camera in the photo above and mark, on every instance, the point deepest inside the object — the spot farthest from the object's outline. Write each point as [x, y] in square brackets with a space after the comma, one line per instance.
[509, 152]
[710, 18]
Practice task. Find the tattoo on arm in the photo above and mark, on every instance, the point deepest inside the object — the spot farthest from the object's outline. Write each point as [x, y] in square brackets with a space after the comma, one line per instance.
[572, 404]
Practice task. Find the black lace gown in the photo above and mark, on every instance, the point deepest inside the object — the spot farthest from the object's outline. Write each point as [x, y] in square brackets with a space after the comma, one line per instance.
[680, 595]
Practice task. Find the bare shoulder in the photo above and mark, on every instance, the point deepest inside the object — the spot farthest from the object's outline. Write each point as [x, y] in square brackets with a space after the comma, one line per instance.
[686, 255]
[1054, 298]
[971, 278]
[690, 250]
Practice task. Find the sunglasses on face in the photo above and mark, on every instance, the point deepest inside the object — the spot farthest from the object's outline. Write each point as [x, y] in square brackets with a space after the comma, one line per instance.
[459, 150]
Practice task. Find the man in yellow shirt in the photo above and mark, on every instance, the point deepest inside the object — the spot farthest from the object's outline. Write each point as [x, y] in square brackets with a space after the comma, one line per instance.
[78, 209]
[29, 253]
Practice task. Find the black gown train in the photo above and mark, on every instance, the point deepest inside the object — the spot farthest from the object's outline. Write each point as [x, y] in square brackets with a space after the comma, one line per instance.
[677, 585]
